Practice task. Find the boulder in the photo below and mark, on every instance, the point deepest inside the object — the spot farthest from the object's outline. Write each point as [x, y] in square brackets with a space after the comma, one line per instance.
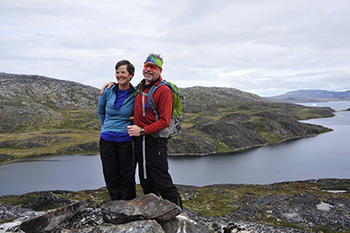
[17, 214]
[145, 207]
[52, 220]
[182, 223]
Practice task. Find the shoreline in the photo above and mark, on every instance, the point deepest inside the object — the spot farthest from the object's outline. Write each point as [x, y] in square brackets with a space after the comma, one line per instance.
[173, 155]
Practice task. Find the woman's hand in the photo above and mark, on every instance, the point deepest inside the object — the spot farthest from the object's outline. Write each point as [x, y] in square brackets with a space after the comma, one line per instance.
[134, 130]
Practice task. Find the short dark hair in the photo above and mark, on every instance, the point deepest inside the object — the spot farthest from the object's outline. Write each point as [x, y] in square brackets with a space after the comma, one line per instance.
[130, 67]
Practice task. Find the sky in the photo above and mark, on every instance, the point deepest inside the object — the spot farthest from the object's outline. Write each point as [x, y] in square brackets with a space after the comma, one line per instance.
[266, 47]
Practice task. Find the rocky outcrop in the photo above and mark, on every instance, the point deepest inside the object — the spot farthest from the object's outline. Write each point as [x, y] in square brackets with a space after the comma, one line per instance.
[33, 142]
[6, 157]
[144, 208]
[88, 146]
[51, 221]
[147, 213]
[28, 101]
[299, 206]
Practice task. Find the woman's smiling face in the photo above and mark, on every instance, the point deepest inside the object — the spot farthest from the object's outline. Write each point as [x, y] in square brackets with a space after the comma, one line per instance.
[123, 76]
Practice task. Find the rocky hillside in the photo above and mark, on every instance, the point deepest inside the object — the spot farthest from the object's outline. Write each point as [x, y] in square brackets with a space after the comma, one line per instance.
[309, 96]
[300, 206]
[227, 119]
[32, 102]
[41, 115]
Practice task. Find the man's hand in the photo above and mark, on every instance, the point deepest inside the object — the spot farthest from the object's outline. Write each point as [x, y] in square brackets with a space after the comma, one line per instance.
[134, 130]
[108, 85]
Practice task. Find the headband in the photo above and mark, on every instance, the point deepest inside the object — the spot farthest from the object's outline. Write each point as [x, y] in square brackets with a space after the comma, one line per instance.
[154, 60]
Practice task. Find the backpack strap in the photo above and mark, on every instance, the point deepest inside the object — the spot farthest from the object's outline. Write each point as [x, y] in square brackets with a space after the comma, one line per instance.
[150, 100]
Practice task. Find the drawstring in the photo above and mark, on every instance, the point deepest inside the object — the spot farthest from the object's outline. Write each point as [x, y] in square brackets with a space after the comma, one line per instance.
[144, 156]
[143, 104]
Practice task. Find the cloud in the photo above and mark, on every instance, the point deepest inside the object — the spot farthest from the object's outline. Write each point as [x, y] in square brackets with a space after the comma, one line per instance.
[265, 47]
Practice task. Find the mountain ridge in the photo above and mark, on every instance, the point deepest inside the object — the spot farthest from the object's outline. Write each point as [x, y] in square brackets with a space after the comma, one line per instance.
[310, 95]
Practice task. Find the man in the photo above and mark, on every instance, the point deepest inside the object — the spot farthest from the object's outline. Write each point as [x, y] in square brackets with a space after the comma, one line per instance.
[151, 143]
[152, 150]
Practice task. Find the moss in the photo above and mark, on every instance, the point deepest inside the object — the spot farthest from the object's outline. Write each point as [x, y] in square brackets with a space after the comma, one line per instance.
[15, 201]
[324, 229]
[269, 137]
[285, 224]
[211, 202]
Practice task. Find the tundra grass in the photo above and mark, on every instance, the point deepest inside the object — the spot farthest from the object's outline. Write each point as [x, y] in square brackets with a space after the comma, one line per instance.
[74, 137]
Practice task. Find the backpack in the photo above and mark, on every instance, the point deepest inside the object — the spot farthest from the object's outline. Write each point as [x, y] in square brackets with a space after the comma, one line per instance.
[176, 115]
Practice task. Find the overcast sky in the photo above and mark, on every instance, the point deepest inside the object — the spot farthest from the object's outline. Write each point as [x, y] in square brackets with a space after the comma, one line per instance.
[264, 47]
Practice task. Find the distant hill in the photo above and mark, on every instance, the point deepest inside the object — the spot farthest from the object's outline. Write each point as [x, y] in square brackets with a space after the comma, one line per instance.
[31, 101]
[309, 96]
[40, 116]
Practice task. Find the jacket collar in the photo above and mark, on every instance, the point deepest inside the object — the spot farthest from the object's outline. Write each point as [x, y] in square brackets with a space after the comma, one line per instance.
[131, 89]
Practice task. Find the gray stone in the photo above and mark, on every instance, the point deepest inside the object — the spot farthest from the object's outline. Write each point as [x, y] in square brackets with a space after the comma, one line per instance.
[145, 207]
[142, 226]
[4, 157]
[183, 224]
[50, 221]
[13, 216]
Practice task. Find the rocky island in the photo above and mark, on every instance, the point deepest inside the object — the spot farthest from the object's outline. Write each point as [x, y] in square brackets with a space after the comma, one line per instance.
[43, 116]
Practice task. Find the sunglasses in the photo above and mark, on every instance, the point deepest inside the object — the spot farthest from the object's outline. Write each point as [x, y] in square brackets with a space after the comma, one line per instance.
[150, 66]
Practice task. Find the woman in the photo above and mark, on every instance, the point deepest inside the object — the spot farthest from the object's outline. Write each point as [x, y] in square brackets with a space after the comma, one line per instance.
[115, 107]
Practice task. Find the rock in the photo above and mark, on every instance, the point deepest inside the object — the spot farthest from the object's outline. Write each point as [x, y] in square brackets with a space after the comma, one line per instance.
[88, 217]
[145, 207]
[143, 226]
[50, 221]
[45, 200]
[5, 157]
[19, 214]
[324, 206]
[183, 224]
[89, 146]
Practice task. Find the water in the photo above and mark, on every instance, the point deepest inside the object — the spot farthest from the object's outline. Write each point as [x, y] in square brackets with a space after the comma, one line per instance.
[323, 156]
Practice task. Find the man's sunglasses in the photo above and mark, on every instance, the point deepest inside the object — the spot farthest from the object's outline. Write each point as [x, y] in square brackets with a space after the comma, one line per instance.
[150, 66]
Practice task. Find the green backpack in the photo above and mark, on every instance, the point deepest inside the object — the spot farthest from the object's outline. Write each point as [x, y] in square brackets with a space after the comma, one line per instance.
[176, 116]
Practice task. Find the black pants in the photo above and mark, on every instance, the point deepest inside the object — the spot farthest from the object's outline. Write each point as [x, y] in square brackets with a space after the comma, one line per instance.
[158, 179]
[118, 169]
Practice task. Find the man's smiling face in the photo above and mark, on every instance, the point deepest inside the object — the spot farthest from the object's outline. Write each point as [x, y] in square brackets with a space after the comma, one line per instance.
[151, 72]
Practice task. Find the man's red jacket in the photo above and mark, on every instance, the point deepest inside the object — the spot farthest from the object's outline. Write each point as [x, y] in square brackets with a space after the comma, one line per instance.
[163, 98]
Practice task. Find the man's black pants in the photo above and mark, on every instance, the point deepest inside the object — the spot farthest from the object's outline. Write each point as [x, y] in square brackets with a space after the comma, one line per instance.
[118, 169]
[158, 179]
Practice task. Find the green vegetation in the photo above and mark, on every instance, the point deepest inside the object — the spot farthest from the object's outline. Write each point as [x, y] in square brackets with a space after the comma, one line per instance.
[211, 201]
[66, 142]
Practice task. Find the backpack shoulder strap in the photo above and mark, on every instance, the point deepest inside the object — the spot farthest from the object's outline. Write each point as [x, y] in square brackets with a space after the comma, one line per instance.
[138, 88]
[150, 100]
